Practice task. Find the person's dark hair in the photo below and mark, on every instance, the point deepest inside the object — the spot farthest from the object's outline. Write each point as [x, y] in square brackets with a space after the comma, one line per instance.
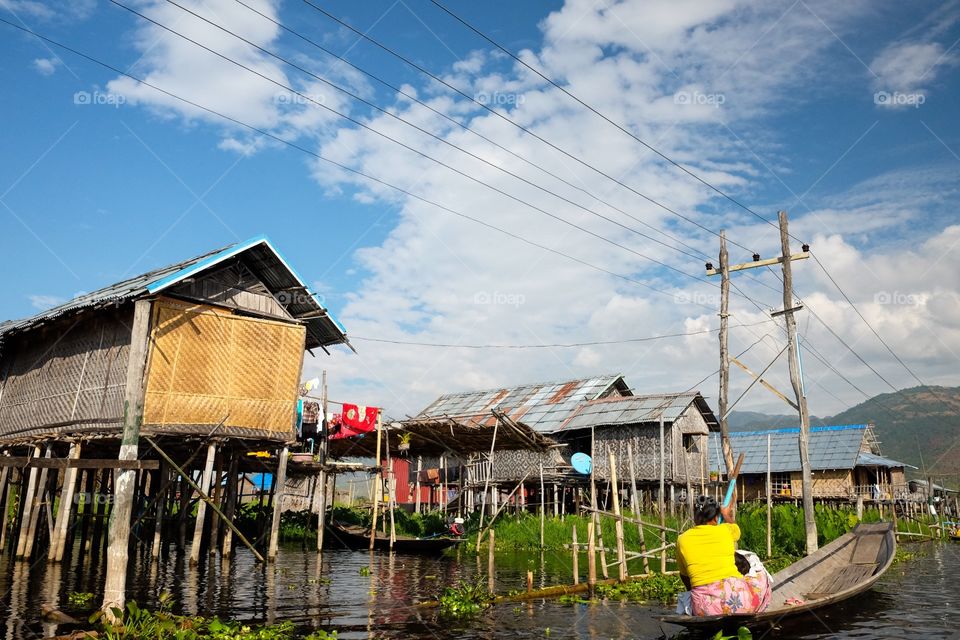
[705, 509]
[743, 565]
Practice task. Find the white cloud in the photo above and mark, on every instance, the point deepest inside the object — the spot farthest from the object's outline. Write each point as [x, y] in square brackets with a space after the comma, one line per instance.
[43, 302]
[46, 66]
[906, 69]
[73, 10]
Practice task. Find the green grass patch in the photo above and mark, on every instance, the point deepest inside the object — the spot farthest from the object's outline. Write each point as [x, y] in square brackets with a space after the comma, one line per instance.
[660, 588]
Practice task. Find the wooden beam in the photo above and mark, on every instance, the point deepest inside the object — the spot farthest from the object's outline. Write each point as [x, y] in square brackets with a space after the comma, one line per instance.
[760, 263]
[78, 463]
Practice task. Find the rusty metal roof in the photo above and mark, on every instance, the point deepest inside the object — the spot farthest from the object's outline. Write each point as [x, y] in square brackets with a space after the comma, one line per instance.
[258, 254]
[542, 407]
[638, 410]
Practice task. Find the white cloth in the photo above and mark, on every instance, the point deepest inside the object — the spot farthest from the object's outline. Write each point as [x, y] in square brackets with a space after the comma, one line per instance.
[756, 566]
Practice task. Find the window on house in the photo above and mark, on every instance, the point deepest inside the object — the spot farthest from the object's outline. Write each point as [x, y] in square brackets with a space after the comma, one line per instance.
[780, 484]
[689, 441]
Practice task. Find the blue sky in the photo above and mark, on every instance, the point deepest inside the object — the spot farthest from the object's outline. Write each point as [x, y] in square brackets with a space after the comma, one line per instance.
[843, 115]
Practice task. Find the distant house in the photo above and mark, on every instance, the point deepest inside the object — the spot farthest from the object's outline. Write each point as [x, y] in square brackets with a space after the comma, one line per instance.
[543, 425]
[845, 461]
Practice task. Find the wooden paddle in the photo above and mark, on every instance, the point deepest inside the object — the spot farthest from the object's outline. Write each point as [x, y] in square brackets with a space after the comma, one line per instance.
[732, 485]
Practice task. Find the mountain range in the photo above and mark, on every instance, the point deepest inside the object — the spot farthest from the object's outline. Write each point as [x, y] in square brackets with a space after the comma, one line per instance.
[919, 426]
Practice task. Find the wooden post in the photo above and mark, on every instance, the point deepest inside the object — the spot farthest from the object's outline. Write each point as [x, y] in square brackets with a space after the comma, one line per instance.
[486, 485]
[618, 525]
[443, 484]
[114, 590]
[233, 482]
[26, 503]
[391, 489]
[321, 482]
[796, 380]
[416, 485]
[595, 517]
[591, 557]
[576, 556]
[673, 500]
[769, 502]
[205, 480]
[635, 502]
[543, 514]
[58, 546]
[660, 505]
[529, 581]
[5, 474]
[159, 508]
[377, 481]
[491, 553]
[722, 400]
[217, 496]
[35, 508]
[279, 488]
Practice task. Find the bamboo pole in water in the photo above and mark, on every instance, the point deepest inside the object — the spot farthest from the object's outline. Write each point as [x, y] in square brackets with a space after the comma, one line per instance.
[576, 556]
[591, 557]
[635, 503]
[618, 524]
[491, 571]
[377, 483]
[202, 505]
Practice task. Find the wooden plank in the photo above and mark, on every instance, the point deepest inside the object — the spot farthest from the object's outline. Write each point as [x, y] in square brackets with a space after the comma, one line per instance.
[866, 549]
[78, 463]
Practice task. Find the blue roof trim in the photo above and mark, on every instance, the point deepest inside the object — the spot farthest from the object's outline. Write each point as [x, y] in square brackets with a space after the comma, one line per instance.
[842, 427]
[229, 252]
[208, 262]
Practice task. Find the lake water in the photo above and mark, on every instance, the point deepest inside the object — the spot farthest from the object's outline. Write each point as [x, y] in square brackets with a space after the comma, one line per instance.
[916, 599]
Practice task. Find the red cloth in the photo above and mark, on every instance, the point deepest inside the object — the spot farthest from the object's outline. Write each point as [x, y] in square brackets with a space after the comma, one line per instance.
[356, 420]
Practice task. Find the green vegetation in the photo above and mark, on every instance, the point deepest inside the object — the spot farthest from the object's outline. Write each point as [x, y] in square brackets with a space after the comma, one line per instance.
[465, 599]
[661, 588]
[742, 634]
[140, 624]
[80, 599]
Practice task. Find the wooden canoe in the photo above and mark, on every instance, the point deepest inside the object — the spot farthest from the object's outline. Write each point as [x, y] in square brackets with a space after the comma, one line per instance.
[343, 536]
[849, 565]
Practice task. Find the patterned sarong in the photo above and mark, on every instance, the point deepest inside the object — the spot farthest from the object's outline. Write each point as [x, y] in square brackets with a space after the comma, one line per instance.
[732, 595]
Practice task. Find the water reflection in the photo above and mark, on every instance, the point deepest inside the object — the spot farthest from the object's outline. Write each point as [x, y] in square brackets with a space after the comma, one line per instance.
[365, 595]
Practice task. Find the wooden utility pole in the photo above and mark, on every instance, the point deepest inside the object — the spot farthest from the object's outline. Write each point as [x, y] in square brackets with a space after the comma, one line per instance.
[796, 380]
[377, 483]
[724, 352]
[796, 375]
[114, 590]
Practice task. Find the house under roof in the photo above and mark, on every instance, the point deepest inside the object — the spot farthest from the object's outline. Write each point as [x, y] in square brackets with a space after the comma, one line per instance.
[257, 255]
[542, 407]
[614, 410]
[831, 447]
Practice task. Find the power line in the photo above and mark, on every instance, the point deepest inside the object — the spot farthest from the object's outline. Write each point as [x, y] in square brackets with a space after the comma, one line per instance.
[500, 115]
[339, 165]
[426, 155]
[567, 345]
[602, 115]
[414, 98]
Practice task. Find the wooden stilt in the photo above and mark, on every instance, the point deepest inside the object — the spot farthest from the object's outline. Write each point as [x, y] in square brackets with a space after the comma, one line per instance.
[660, 505]
[636, 505]
[377, 482]
[491, 569]
[26, 506]
[416, 485]
[591, 557]
[57, 546]
[618, 524]
[205, 480]
[234, 485]
[160, 503]
[114, 591]
[769, 502]
[6, 486]
[214, 544]
[576, 556]
[280, 480]
[35, 509]
[321, 507]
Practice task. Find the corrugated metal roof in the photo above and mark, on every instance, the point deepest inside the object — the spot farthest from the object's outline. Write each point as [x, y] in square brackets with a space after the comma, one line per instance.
[873, 460]
[834, 447]
[542, 407]
[631, 410]
[258, 254]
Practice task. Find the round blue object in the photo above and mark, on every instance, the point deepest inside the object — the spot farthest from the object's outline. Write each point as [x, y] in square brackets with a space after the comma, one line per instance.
[581, 463]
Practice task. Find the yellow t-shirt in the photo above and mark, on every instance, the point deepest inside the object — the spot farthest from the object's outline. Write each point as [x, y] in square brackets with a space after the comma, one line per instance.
[705, 553]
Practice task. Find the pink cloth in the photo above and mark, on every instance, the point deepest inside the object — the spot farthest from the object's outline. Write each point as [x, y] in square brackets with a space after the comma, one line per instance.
[732, 595]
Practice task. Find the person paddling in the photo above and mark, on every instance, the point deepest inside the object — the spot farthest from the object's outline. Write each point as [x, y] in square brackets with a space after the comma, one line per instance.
[705, 556]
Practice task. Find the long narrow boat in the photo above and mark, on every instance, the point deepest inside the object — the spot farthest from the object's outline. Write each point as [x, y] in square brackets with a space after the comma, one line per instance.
[344, 536]
[849, 565]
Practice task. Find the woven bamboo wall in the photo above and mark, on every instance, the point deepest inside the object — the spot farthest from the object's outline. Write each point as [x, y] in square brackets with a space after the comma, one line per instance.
[67, 376]
[826, 484]
[207, 363]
